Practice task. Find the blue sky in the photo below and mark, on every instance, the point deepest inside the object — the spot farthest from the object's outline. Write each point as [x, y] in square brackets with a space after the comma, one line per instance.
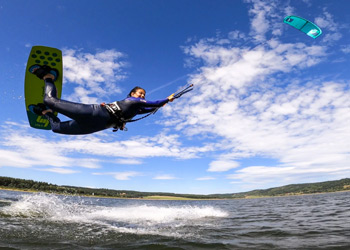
[270, 105]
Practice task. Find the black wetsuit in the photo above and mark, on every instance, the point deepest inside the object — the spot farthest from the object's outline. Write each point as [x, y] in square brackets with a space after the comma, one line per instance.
[90, 118]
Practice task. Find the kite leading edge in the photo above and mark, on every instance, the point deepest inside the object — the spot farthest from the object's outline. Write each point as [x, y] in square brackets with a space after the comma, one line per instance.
[303, 25]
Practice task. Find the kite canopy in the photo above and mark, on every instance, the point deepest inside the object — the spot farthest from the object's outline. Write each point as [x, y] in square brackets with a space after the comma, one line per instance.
[303, 25]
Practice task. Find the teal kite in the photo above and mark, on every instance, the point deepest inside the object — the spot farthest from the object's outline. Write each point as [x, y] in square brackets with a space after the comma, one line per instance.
[303, 25]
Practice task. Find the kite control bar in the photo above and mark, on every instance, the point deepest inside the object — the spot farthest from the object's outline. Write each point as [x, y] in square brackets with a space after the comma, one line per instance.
[183, 91]
[176, 95]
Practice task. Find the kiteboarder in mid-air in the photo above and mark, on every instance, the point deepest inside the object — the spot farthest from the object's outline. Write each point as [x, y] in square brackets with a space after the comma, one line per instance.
[90, 118]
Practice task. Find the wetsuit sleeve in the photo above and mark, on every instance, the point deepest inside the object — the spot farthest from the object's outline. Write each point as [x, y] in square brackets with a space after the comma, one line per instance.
[146, 110]
[132, 106]
[154, 104]
[150, 106]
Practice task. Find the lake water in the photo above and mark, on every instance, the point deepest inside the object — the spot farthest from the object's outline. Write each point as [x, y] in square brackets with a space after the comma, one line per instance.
[45, 221]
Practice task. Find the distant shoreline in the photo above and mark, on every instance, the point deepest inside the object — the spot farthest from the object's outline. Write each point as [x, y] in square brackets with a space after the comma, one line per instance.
[174, 198]
[15, 184]
[155, 197]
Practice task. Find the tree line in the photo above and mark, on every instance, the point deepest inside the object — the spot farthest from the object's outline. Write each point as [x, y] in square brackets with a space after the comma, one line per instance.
[293, 189]
[30, 185]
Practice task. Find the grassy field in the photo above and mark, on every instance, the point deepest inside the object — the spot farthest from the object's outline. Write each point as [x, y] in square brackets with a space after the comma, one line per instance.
[159, 197]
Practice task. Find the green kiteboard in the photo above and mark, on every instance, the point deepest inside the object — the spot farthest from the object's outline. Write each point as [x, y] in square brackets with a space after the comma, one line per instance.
[34, 87]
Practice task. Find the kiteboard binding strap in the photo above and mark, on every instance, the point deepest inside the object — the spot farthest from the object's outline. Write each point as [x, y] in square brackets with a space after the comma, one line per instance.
[41, 71]
[37, 109]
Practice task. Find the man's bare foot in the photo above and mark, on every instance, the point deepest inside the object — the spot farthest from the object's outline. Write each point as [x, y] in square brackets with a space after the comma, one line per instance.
[39, 109]
[46, 111]
[44, 72]
[49, 76]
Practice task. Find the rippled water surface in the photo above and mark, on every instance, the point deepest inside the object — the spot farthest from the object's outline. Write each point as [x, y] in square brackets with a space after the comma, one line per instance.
[37, 220]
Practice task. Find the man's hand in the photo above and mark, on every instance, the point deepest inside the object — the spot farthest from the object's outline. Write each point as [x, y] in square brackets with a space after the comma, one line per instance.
[171, 98]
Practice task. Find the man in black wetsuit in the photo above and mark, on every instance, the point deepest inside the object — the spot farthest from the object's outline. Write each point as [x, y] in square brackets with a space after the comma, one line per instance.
[89, 118]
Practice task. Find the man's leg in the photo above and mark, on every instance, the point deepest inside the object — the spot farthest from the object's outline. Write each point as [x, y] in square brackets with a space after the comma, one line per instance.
[75, 111]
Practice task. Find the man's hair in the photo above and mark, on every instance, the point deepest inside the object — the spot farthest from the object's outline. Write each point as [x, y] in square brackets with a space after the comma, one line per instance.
[135, 89]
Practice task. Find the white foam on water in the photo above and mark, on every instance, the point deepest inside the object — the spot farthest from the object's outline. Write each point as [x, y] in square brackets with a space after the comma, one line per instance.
[157, 214]
[40, 205]
[156, 220]
[134, 219]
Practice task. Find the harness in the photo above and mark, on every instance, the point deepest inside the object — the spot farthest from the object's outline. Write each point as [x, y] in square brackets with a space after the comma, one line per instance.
[116, 113]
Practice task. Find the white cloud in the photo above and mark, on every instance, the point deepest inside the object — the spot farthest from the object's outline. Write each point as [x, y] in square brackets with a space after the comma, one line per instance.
[95, 75]
[257, 176]
[21, 148]
[205, 178]
[346, 49]
[59, 170]
[13, 159]
[128, 161]
[222, 165]
[331, 29]
[164, 177]
[236, 35]
[133, 148]
[260, 24]
[121, 176]
[326, 21]
[265, 18]
[256, 102]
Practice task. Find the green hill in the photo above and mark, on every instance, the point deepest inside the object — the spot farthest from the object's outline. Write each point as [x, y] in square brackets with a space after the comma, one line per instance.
[293, 189]
[298, 189]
